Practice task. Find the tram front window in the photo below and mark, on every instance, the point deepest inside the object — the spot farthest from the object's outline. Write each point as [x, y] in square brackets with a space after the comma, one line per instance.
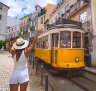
[76, 40]
[65, 39]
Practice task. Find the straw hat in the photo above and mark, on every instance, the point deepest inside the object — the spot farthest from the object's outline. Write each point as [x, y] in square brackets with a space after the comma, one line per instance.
[20, 43]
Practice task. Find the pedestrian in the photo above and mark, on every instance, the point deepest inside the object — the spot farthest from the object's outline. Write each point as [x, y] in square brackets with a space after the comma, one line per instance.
[20, 52]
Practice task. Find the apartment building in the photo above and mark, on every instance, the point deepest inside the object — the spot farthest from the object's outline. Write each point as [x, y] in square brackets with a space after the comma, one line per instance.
[12, 33]
[24, 26]
[43, 15]
[83, 11]
[33, 21]
[3, 20]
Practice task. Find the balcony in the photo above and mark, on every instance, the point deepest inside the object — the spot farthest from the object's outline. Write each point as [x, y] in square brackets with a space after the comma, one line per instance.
[80, 4]
[32, 28]
[43, 11]
[25, 32]
[87, 26]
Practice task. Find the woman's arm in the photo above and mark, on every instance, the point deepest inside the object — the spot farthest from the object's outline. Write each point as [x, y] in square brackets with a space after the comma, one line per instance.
[29, 49]
[12, 50]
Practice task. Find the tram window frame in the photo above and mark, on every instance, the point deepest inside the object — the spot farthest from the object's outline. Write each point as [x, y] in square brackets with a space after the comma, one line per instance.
[37, 44]
[45, 42]
[65, 38]
[83, 40]
[77, 40]
[55, 38]
[40, 42]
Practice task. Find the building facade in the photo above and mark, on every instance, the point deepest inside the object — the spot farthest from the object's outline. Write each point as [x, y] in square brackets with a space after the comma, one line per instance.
[12, 33]
[3, 20]
[24, 26]
[83, 11]
[43, 16]
[33, 23]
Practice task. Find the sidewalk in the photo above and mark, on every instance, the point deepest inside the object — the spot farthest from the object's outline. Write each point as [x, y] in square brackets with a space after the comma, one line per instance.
[6, 68]
[91, 69]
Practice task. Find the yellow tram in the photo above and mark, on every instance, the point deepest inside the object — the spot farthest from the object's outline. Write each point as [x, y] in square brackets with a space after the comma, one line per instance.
[61, 47]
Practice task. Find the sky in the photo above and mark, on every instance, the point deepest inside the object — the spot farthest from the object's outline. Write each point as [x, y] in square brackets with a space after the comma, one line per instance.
[21, 8]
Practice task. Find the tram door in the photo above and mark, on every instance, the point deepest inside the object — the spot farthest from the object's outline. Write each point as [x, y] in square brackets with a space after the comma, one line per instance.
[54, 49]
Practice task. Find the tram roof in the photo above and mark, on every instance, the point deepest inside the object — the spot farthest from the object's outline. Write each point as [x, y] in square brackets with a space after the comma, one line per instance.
[65, 23]
[56, 30]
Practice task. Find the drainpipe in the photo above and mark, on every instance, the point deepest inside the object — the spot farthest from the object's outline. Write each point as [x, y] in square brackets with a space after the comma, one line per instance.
[93, 20]
[93, 24]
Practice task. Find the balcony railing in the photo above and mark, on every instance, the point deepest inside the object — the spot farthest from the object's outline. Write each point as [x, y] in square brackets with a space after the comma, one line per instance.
[25, 32]
[87, 26]
[75, 8]
[43, 11]
[32, 28]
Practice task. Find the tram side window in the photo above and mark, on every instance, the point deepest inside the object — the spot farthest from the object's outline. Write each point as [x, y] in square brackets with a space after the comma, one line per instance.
[45, 42]
[55, 40]
[76, 40]
[37, 44]
[83, 40]
[41, 43]
[65, 39]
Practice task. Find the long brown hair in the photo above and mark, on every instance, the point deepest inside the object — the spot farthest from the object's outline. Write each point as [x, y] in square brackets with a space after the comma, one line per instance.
[18, 53]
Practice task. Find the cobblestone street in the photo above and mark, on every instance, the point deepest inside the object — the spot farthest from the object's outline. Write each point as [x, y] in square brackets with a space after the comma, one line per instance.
[6, 68]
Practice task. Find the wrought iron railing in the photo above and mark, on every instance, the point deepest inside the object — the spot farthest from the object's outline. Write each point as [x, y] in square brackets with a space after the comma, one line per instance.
[74, 8]
[32, 28]
[86, 26]
[43, 11]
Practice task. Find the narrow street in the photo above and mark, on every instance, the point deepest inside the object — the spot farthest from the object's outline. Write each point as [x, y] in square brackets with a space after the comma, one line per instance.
[6, 68]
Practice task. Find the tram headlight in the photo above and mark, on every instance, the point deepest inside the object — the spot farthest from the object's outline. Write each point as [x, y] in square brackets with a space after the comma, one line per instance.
[76, 59]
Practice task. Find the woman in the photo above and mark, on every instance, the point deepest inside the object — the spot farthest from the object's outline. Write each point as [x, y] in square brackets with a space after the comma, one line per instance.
[20, 54]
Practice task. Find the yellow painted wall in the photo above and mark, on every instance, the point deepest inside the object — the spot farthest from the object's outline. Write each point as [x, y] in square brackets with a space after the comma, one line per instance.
[24, 19]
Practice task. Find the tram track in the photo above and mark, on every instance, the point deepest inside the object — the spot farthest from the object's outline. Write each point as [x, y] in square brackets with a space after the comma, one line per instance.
[85, 82]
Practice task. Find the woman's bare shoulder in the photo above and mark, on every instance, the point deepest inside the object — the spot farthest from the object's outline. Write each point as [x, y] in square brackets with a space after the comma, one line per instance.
[26, 52]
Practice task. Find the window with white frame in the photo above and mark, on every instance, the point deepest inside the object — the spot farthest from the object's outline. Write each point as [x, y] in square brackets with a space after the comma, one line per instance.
[76, 40]
[1, 6]
[41, 20]
[65, 39]
[81, 3]
[83, 17]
